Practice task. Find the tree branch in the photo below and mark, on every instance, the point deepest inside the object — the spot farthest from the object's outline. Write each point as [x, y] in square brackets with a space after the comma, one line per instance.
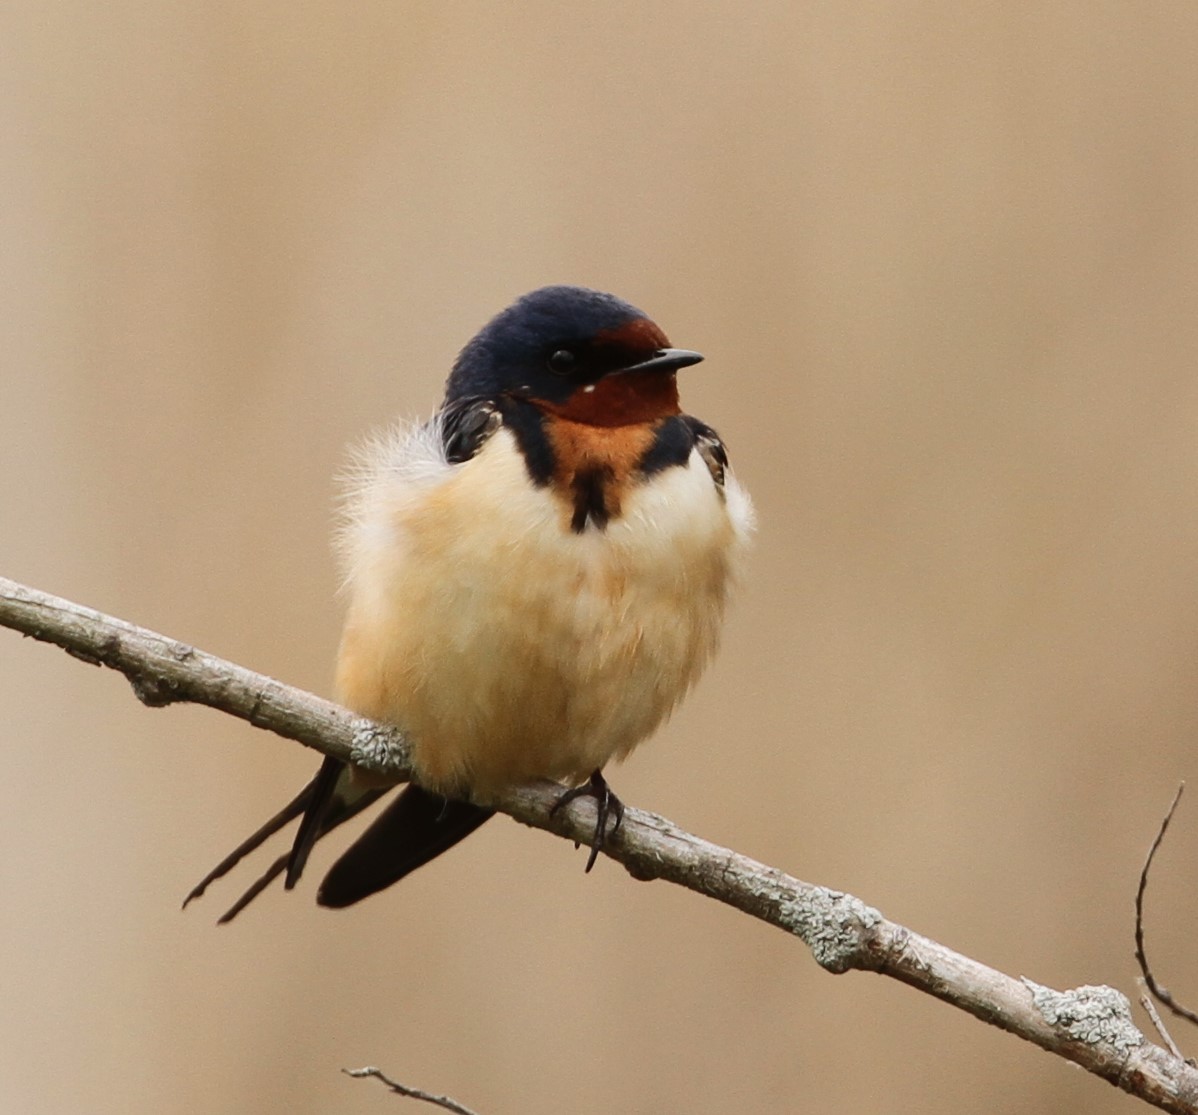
[1161, 992]
[447, 1102]
[1090, 1026]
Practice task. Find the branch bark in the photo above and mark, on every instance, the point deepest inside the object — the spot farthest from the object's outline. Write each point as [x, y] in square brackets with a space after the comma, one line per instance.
[447, 1102]
[1091, 1026]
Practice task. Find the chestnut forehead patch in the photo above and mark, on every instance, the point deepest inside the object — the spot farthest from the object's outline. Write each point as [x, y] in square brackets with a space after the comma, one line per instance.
[638, 335]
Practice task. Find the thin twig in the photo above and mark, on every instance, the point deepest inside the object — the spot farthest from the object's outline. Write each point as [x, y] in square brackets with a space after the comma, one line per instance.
[1162, 993]
[1091, 1026]
[414, 1093]
[1150, 1009]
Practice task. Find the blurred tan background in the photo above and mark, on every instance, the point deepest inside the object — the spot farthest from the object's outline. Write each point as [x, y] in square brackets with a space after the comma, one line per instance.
[942, 259]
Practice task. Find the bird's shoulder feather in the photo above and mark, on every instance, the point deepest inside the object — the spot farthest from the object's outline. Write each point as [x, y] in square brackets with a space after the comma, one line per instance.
[710, 446]
[465, 425]
[674, 441]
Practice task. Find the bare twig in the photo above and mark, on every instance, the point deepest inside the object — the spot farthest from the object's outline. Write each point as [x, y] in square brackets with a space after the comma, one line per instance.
[1162, 993]
[414, 1093]
[1091, 1026]
[1150, 1009]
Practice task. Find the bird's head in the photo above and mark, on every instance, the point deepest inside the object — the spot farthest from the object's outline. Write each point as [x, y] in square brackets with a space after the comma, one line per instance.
[576, 353]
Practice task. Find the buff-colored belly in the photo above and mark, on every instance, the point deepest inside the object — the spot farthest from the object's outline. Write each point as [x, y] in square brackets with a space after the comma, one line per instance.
[509, 647]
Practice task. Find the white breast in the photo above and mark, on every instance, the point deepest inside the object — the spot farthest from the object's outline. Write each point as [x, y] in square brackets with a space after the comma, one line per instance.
[508, 646]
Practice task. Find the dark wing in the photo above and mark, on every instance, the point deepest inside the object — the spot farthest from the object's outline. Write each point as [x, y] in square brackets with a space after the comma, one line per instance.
[415, 828]
[466, 424]
[710, 447]
[676, 438]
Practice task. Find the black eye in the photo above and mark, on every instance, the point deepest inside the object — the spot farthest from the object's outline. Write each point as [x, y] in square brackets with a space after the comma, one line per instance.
[562, 362]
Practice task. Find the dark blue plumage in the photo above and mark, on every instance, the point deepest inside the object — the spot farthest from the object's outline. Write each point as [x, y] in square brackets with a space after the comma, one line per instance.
[511, 352]
[556, 340]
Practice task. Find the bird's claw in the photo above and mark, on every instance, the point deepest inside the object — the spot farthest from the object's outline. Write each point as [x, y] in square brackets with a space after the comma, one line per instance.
[605, 803]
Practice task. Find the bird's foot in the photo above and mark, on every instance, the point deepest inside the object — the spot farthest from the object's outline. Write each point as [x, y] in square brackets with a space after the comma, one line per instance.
[605, 803]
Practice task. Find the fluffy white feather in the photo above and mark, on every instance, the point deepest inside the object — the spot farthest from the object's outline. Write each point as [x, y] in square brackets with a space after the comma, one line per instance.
[508, 646]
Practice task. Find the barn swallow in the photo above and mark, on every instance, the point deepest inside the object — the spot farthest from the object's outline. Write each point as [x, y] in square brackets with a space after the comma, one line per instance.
[535, 578]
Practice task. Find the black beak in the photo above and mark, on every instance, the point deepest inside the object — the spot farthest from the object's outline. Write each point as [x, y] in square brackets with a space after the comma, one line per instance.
[665, 360]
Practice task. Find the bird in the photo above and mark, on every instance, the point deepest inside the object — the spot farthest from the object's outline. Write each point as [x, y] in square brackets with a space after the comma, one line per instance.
[535, 577]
